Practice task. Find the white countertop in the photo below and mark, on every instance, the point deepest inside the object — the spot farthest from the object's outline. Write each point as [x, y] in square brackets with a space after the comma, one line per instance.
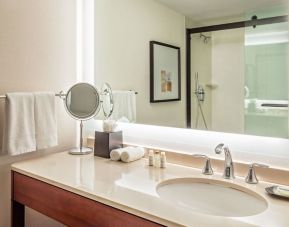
[132, 188]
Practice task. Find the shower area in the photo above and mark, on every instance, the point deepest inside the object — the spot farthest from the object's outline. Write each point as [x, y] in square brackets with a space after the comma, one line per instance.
[238, 76]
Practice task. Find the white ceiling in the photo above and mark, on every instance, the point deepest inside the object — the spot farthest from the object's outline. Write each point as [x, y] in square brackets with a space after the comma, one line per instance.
[210, 9]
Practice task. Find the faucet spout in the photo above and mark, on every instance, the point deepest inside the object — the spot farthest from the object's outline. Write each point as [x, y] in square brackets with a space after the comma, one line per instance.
[228, 156]
[229, 164]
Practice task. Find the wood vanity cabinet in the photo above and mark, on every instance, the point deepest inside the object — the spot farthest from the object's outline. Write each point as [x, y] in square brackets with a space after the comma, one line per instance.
[66, 207]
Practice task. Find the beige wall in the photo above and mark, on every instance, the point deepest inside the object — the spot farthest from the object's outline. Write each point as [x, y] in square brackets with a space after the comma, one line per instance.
[123, 29]
[37, 53]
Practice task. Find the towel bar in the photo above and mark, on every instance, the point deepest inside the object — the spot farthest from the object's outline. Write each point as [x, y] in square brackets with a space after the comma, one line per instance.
[60, 95]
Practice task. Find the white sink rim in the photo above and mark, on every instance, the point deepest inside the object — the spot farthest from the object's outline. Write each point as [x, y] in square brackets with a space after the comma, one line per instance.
[220, 183]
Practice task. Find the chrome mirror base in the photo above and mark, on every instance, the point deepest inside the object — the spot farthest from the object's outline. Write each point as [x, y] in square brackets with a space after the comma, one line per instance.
[80, 151]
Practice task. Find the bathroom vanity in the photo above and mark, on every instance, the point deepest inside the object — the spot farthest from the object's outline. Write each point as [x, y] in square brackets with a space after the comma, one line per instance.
[66, 207]
[92, 191]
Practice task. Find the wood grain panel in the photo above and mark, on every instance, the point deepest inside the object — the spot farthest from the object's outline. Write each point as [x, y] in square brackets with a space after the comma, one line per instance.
[69, 208]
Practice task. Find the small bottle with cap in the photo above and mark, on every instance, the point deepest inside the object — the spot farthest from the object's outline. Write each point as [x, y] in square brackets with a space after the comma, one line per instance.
[151, 158]
[163, 160]
[157, 159]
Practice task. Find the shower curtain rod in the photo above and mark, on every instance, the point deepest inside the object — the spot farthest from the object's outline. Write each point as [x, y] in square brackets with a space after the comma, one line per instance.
[240, 24]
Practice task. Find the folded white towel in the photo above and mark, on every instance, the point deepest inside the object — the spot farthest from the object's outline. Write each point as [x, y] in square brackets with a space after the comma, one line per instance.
[131, 154]
[45, 120]
[116, 153]
[19, 124]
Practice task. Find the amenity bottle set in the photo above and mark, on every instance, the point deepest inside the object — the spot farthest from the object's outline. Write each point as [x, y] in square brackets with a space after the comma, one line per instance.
[157, 159]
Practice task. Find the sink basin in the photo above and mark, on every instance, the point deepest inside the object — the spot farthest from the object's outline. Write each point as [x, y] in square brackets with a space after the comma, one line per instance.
[212, 197]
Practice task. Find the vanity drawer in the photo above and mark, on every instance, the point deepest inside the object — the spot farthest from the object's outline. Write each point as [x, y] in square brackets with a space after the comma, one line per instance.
[67, 207]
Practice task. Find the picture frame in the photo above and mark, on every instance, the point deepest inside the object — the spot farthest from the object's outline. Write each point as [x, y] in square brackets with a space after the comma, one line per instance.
[165, 72]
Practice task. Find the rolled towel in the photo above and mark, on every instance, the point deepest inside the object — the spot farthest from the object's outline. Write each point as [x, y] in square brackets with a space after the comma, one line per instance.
[131, 154]
[116, 153]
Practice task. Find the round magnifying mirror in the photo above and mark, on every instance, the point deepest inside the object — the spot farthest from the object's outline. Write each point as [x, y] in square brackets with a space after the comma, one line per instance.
[82, 102]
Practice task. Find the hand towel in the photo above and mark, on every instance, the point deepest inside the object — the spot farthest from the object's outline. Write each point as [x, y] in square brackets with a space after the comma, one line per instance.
[45, 120]
[131, 154]
[124, 106]
[19, 126]
[116, 153]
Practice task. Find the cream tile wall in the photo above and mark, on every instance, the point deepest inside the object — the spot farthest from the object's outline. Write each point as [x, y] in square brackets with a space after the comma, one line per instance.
[37, 53]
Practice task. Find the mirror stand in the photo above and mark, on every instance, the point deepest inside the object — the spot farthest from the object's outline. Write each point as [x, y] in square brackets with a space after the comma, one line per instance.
[82, 102]
[81, 150]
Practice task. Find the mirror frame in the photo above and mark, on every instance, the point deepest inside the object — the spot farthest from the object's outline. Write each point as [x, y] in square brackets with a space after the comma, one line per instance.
[106, 90]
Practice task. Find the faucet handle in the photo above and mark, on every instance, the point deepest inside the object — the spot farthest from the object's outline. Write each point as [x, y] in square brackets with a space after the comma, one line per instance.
[219, 148]
[251, 177]
[207, 170]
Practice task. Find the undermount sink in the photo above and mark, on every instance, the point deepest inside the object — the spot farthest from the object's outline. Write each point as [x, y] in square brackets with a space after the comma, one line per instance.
[212, 197]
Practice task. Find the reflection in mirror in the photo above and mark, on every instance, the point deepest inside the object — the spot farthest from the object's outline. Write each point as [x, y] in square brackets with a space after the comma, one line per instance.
[238, 76]
[117, 105]
[107, 100]
[266, 80]
[240, 81]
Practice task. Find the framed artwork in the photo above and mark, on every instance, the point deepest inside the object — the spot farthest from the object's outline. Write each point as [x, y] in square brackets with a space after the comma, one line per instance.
[165, 72]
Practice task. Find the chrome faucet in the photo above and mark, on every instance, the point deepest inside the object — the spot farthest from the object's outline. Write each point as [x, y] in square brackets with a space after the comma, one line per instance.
[251, 177]
[229, 165]
[207, 170]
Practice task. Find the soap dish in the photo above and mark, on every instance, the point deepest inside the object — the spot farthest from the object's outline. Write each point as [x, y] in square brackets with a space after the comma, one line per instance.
[278, 191]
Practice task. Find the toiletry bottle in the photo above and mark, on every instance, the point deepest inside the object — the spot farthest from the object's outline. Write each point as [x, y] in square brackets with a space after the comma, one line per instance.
[151, 158]
[157, 159]
[163, 160]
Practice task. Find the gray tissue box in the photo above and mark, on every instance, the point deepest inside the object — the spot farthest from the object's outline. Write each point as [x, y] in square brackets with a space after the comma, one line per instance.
[105, 142]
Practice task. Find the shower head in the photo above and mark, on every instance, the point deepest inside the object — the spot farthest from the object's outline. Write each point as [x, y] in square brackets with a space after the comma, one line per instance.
[205, 38]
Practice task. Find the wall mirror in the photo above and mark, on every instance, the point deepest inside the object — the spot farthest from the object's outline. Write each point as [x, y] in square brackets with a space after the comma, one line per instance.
[234, 65]
[82, 102]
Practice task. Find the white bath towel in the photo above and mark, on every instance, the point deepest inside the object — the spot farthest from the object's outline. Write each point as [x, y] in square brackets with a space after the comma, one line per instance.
[116, 153]
[45, 120]
[131, 154]
[19, 124]
[124, 106]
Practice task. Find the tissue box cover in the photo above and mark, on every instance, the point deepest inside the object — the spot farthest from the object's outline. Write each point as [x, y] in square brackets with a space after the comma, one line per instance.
[105, 142]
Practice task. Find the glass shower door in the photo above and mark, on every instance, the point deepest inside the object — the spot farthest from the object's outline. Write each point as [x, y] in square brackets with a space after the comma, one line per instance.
[266, 80]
